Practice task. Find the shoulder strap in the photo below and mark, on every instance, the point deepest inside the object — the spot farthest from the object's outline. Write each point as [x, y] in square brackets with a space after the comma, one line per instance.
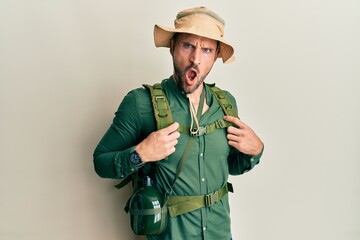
[223, 101]
[188, 146]
[161, 106]
[163, 119]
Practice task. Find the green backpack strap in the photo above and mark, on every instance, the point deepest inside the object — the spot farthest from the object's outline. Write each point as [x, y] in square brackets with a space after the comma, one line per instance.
[124, 182]
[161, 106]
[134, 178]
[227, 108]
[163, 119]
[223, 101]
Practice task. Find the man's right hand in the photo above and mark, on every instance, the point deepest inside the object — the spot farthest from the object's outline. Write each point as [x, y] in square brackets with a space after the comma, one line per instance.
[159, 144]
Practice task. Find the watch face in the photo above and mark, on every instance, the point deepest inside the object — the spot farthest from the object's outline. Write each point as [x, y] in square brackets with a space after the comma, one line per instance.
[135, 158]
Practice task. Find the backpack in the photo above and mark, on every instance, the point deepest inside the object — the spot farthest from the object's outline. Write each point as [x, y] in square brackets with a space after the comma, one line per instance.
[146, 218]
[163, 118]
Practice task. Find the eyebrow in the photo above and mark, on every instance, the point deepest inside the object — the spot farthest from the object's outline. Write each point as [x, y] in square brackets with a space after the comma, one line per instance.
[202, 47]
[176, 36]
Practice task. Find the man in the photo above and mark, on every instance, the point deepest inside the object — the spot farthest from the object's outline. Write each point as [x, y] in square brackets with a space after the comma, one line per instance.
[195, 43]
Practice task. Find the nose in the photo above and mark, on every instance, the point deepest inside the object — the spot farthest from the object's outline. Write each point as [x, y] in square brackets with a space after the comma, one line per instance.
[195, 57]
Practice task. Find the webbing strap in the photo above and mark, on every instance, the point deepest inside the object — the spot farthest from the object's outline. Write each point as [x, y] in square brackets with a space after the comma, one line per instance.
[188, 145]
[178, 205]
[223, 101]
[152, 211]
[221, 123]
[138, 213]
[182, 160]
[163, 114]
[227, 107]
[161, 106]
[124, 182]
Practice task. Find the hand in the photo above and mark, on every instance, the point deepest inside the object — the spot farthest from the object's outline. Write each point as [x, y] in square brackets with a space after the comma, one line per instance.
[159, 144]
[243, 138]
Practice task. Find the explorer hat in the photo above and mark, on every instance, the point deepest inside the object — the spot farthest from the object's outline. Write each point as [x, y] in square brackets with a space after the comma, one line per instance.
[200, 21]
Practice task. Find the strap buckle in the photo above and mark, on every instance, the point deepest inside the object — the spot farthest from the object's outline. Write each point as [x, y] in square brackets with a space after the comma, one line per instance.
[210, 198]
[220, 123]
[159, 97]
[198, 131]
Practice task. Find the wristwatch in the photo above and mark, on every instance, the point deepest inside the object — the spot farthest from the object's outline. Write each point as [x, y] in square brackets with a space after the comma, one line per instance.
[135, 158]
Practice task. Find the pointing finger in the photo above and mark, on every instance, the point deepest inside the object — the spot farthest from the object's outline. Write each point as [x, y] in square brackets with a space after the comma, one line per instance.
[171, 128]
[235, 121]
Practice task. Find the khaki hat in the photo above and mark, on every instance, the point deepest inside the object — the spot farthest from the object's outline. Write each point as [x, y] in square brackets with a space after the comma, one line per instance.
[200, 21]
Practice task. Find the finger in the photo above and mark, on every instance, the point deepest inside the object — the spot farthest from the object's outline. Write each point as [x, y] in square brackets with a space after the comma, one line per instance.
[171, 151]
[235, 131]
[171, 128]
[235, 121]
[232, 144]
[173, 136]
[169, 147]
[232, 137]
[173, 143]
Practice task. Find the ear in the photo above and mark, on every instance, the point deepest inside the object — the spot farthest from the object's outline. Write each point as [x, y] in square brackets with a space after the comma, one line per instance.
[216, 54]
[172, 46]
[217, 51]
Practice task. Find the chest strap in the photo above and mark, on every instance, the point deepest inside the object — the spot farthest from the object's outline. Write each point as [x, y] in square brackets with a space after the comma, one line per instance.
[221, 123]
[178, 205]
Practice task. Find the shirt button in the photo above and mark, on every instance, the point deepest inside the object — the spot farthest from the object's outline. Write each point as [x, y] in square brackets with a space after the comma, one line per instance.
[201, 154]
[203, 179]
[204, 228]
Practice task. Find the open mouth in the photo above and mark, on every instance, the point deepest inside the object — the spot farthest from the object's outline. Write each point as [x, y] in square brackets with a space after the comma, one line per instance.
[191, 74]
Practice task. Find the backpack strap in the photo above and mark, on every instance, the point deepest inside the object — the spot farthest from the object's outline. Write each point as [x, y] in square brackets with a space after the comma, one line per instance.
[227, 107]
[124, 182]
[161, 106]
[163, 116]
[223, 101]
[218, 124]
[163, 119]
[178, 205]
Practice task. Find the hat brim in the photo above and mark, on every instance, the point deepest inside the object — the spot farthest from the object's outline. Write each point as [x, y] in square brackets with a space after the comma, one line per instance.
[163, 36]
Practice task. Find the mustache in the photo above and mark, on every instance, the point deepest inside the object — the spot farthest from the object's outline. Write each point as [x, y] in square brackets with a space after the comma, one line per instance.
[195, 66]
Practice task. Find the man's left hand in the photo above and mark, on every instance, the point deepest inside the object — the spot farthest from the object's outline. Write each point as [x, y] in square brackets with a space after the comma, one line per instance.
[243, 138]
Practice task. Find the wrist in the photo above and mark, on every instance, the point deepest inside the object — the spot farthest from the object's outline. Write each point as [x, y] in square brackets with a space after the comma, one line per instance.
[140, 150]
[135, 158]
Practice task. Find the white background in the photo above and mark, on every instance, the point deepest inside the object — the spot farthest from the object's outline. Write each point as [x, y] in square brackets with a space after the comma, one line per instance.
[66, 65]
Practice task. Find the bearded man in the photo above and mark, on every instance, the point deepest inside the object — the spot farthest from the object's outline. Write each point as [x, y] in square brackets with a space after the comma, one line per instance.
[220, 144]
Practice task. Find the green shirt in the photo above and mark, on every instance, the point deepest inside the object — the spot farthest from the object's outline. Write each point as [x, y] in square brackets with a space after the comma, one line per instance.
[209, 163]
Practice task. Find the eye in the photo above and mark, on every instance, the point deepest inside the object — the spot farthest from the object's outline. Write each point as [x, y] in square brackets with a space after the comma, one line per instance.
[187, 45]
[207, 50]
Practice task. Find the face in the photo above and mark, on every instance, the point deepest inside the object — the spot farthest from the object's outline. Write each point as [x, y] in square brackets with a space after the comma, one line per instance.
[193, 57]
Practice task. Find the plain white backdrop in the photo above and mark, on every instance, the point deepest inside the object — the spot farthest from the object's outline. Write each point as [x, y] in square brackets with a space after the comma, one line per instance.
[66, 65]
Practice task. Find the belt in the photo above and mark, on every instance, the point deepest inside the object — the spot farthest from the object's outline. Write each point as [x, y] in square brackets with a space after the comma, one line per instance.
[178, 205]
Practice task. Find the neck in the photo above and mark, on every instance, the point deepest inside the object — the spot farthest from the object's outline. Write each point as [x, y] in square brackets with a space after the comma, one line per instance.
[195, 96]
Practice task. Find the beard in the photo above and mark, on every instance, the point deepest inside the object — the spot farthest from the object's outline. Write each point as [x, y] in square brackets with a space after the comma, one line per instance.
[180, 75]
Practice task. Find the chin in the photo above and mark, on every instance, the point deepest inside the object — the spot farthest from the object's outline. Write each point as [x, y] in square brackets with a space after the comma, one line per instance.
[189, 90]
